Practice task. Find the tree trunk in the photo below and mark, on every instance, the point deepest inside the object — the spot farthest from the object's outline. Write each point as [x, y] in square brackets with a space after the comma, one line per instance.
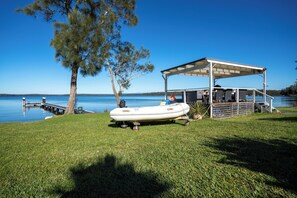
[113, 85]
[72, 96]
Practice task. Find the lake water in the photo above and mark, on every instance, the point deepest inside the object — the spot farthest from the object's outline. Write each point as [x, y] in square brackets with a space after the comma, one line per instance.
[11, 109]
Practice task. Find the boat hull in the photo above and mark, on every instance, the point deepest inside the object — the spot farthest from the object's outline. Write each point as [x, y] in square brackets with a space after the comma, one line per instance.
[165, 112]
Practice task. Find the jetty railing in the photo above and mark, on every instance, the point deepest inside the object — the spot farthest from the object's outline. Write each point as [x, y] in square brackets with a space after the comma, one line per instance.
[56, 109]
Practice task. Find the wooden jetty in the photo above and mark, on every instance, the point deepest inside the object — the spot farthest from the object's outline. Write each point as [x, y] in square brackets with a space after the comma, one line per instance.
[33, 104]
[53, 108]
[56, 109]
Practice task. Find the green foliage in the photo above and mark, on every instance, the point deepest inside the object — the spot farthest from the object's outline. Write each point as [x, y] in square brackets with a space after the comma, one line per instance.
[86, 155]
[271, 92]
[79, 44]
[125, 63]
[80, 41]
[84, 31]
[197, 108]
[291, 90]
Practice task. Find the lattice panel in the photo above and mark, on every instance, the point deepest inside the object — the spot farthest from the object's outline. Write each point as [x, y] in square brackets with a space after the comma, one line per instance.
[227, 110]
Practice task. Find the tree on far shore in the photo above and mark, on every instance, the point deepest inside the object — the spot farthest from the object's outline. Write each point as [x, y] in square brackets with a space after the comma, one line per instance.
[291, 90]
[81, 31]
[296, 69]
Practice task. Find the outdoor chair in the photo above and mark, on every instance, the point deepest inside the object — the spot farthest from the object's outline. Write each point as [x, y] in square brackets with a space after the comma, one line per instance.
[228, 95]
[219, 95]
[242, 95]
[200, 95]
[191, 96]
[205, 98]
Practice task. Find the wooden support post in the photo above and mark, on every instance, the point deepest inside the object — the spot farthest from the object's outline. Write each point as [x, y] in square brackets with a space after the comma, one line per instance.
[165, 77]
[237, 95]
[237, 100]
[254, 96]
[24, 101]
[24, 110]
[210, 88]
[270, 105]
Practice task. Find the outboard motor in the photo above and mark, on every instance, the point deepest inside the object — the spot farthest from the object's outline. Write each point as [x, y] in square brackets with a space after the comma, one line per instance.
[122, 104]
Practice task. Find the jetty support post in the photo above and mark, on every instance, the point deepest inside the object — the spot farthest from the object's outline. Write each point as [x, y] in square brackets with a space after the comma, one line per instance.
[165, 77]
[24, 101]
[43, 102]
[210, 88]
[24, 110]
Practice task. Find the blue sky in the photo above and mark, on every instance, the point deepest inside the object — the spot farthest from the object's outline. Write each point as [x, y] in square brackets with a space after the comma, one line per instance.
[261, 33]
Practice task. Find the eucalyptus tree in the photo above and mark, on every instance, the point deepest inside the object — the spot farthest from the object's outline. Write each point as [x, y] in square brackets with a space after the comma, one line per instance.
[125, 63]
[81, 31]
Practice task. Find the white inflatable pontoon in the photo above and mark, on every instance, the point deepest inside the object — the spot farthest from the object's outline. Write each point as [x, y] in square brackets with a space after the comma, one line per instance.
[162, 112]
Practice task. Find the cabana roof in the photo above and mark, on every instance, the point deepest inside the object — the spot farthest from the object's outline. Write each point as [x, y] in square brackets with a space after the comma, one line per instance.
[220, 69]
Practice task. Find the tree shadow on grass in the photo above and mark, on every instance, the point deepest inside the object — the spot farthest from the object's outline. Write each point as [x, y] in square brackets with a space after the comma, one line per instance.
[286, 119]
[147, 123]
[277, 158]
[109, 178]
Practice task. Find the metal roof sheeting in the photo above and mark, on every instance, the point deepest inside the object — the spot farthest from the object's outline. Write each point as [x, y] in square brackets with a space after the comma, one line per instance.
[221, 69]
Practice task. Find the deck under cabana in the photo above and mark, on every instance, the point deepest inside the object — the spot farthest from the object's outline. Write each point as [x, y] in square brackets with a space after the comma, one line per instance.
[217, 69]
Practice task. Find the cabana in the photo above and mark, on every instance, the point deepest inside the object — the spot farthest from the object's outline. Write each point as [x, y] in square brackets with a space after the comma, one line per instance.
[217, 69]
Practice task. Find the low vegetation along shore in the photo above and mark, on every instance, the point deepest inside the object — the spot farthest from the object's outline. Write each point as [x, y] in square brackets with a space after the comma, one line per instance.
[87, 156]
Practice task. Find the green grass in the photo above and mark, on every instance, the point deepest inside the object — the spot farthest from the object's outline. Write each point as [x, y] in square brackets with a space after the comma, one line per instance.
[288, 109]
[87, 156]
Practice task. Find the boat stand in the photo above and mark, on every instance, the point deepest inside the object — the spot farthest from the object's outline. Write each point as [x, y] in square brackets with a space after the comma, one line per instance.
[135, 124]
[187, 123]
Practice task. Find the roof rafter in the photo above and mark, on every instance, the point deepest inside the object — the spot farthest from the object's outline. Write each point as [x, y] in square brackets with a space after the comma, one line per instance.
[221, 69]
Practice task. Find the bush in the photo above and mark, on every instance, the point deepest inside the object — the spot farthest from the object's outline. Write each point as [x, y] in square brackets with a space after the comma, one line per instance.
[198, 110]
[291, 90]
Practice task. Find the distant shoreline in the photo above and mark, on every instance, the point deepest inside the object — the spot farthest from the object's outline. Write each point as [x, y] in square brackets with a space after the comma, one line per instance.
[269, 92]
[126, 94]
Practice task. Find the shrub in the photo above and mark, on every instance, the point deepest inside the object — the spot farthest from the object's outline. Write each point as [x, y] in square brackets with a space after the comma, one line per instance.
[198, 110]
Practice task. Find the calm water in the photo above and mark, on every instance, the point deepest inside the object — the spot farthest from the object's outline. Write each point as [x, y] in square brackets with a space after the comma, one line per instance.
[11, 109]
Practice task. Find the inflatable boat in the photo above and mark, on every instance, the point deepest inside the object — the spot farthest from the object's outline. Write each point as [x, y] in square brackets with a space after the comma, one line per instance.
[139, 114]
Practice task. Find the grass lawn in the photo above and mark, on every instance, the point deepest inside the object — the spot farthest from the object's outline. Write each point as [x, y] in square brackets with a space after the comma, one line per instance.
[87, 156]
[288, 109]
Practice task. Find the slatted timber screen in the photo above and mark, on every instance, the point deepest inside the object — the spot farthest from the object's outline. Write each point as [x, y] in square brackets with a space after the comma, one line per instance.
[230, 109]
